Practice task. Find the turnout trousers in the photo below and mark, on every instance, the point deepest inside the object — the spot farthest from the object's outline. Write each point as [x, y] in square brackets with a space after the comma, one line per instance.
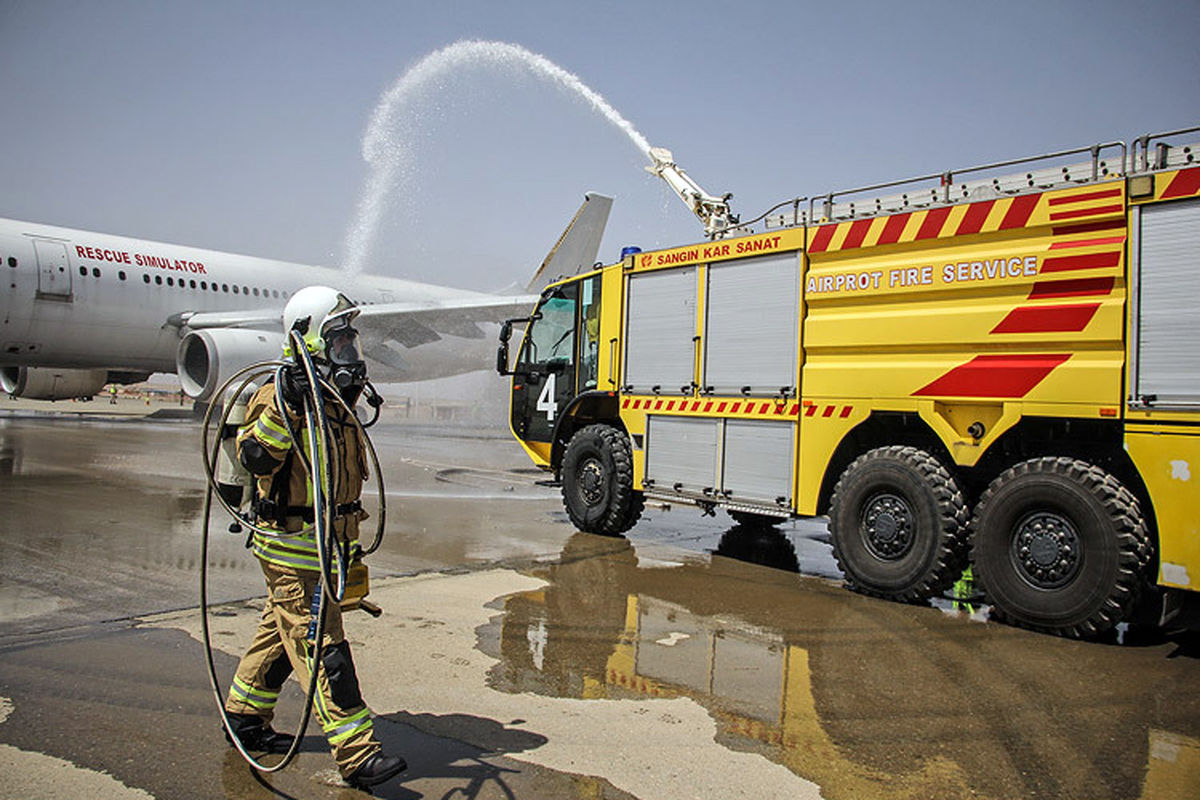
[281, 646]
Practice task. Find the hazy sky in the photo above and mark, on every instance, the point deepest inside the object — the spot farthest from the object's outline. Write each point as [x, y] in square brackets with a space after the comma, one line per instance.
[239, 125]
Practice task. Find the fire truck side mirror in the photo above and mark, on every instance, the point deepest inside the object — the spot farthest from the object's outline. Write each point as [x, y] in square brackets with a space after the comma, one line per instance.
[502, 358]
[506, 329]
[502, 351]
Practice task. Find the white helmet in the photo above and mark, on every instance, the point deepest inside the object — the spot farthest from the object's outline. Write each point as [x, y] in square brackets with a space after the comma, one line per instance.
[316, 311]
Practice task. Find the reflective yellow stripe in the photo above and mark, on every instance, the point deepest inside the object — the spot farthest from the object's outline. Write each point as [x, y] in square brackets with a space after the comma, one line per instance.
[258, 698]
[298, 552]
[327, 721]
[308, 450]
[343, 729]
[272, 433]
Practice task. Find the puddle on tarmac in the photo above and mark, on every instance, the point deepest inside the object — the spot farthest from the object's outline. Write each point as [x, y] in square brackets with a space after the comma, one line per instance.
[864, 697]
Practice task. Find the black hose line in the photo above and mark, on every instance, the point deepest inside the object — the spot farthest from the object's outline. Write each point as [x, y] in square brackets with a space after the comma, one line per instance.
[333, 570]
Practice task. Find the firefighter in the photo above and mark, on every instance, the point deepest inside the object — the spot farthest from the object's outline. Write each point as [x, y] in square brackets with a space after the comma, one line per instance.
[283, 501]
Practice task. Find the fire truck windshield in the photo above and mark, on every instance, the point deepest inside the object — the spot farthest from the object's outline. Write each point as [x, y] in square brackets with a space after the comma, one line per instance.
[551, 336]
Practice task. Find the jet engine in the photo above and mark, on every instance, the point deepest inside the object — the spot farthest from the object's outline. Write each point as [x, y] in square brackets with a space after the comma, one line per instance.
[52, 383]
[206, 358]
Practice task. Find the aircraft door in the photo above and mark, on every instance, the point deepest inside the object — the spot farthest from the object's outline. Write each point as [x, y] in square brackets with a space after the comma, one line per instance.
[544, 375]
[54, 269]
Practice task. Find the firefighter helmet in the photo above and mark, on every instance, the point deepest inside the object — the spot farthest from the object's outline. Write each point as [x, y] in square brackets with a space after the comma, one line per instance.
[316, 311]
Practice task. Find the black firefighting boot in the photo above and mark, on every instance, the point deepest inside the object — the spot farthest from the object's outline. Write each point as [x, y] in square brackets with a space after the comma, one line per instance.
[376, 769]
[256, 736]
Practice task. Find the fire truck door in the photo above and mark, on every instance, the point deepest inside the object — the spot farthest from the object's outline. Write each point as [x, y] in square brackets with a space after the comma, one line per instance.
[545, 370]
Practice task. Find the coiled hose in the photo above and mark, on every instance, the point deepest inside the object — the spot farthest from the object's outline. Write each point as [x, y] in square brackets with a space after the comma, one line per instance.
[333, 556]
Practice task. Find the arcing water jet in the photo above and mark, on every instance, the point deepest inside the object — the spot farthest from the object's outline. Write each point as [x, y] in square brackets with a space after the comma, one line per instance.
[385, 144]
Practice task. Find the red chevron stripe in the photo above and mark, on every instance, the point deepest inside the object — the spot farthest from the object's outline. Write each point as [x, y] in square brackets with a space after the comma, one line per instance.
[1086, 261]
[894, 228]
[822, 238]
[977, 214]
[1082, 198]
[1078, 287]
[934, 220]
[1048, 319]
[1185, 184]
[1087, 212]
[1020, 211]
[995, 376]
[858, 232]
[1089, 227]
[1088, 242]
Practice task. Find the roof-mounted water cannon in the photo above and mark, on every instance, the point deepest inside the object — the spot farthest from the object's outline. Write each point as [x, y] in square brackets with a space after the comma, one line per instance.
[713, 211]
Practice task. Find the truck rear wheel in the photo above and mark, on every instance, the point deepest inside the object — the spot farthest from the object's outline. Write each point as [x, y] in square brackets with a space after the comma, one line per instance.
[1060, 546]
[597, 481]
[898, 522]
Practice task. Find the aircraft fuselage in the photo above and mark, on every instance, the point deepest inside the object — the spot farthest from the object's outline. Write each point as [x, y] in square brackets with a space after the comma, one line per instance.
[83, 300]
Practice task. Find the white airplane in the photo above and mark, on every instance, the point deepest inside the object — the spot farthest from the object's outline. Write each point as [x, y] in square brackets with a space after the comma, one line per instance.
[79, 310]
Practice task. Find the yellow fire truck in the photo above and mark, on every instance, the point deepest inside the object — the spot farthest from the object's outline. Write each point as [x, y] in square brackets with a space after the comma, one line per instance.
[983, 366]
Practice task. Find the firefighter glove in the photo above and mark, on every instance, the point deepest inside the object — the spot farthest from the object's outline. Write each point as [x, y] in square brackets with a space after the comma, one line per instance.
[294, 387]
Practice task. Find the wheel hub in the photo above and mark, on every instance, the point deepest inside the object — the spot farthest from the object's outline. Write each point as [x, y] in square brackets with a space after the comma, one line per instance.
[887, 526]
[1046, 550]
[591, 482]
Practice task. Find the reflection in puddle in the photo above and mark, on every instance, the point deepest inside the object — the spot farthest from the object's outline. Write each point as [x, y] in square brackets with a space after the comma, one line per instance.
[10, 460]
[866, 699]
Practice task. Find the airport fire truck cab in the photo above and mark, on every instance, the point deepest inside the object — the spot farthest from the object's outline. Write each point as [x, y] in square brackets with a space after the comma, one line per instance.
[978, 366]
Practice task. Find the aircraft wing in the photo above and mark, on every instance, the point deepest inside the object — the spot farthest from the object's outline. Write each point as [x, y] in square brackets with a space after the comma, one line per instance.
[411, 324]
[414, 324]
[218, 343]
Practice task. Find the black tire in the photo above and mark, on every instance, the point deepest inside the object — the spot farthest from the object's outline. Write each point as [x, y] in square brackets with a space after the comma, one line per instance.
[597, 481]
[1060, 546]
[898, 523]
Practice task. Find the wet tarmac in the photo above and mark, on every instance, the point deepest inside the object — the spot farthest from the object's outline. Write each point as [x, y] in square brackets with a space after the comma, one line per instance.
[518, 658]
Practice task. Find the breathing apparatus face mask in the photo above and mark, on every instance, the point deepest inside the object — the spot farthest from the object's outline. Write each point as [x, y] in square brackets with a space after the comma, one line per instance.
[347, 370]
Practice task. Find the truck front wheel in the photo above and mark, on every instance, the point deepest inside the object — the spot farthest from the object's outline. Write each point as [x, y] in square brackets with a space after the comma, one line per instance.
[597, 481]
[898, 522]
[1059, 546]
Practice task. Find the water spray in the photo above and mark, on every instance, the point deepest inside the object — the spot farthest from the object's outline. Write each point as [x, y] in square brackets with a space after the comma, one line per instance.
[384, 145]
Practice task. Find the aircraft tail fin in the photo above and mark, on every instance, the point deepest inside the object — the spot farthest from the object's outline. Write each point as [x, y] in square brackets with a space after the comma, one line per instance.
[575, 251]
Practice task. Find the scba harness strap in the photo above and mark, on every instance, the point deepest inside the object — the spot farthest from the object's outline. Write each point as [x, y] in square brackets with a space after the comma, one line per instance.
[268, 509]
[276, 508]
